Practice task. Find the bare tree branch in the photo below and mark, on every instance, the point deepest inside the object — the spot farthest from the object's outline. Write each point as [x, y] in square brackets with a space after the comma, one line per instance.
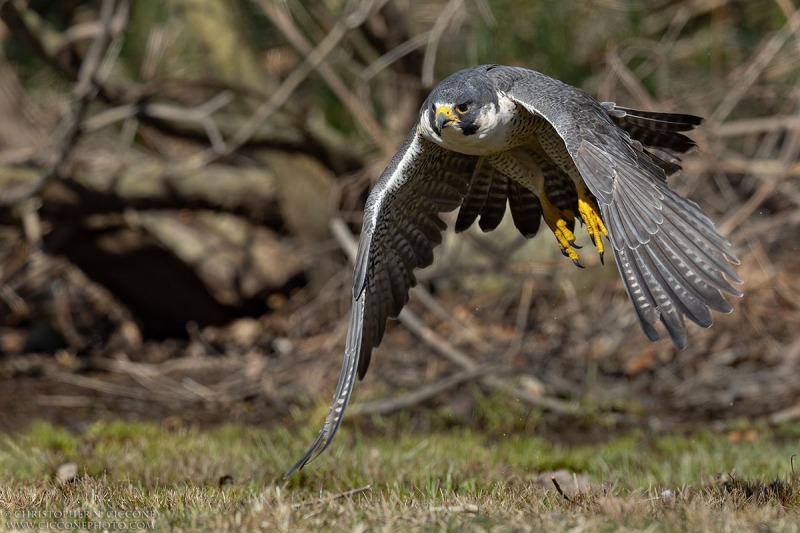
[364, 117]
[66, 135]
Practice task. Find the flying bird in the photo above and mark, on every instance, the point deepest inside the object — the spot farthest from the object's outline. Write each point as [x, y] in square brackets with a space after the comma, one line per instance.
[494, 135]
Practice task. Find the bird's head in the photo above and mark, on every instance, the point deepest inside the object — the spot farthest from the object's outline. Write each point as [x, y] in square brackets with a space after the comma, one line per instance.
[464, 104]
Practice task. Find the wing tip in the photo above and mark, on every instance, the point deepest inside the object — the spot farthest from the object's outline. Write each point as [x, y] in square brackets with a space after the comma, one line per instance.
[679, 338]
[312, 453]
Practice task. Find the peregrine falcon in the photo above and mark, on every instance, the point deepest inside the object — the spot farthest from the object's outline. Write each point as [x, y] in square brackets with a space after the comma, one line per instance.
[492, 135]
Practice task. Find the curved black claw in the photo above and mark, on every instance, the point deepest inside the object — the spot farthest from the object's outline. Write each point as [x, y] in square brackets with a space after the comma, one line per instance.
[602, 262]
[578, 263]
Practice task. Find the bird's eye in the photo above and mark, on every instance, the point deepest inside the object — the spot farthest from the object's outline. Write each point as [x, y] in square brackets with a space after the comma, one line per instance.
[462, 108]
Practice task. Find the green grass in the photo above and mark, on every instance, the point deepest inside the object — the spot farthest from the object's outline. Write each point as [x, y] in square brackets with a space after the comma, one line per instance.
[443, 479]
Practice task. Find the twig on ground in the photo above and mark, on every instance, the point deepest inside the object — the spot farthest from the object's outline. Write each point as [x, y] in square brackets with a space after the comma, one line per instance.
[558, 489]
[338, 495]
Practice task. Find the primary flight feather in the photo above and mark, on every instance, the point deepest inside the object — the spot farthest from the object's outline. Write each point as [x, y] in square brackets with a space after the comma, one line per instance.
[495, 135]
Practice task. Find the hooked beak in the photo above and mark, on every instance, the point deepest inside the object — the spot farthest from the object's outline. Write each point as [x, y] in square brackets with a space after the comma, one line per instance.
[444, 116]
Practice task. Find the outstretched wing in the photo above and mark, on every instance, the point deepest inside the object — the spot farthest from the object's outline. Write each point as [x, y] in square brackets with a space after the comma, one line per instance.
[401, 228]
[672, 260]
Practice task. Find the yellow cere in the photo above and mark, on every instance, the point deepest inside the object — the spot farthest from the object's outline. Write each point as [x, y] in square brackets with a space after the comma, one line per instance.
[447, 112]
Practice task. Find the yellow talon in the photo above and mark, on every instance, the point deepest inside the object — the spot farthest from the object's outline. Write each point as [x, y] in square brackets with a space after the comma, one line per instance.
[590, 214]
[558, 221]
[565, 238]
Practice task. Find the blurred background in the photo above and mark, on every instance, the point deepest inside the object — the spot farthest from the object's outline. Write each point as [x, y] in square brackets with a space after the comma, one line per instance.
[181, 181]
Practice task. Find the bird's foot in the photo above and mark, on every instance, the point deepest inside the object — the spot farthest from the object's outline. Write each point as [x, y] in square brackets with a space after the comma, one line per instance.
[565, 238]
[590, 214]
[561, 224]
